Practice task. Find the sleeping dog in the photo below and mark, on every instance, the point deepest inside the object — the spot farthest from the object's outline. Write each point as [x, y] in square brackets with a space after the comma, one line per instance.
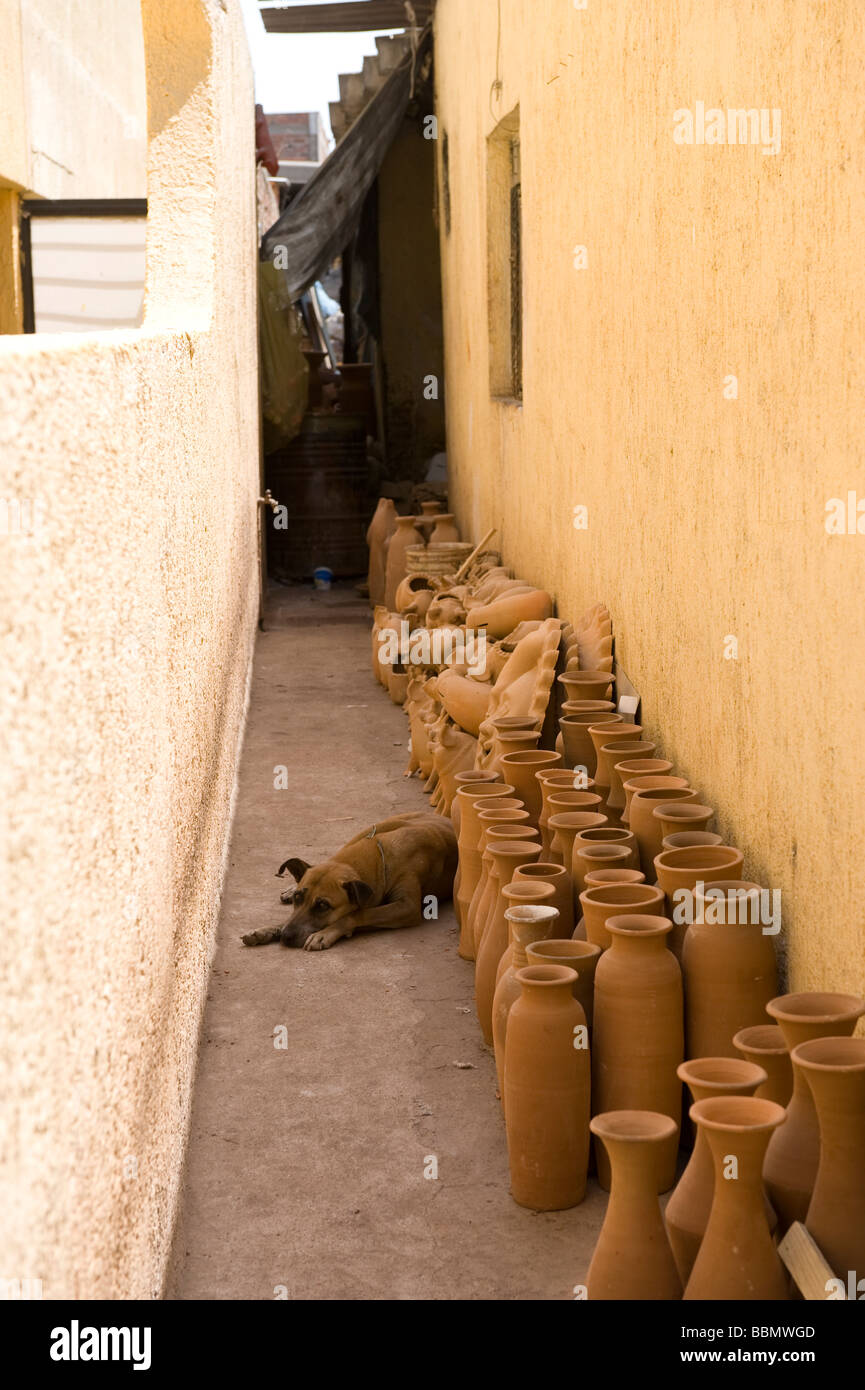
[379, 879]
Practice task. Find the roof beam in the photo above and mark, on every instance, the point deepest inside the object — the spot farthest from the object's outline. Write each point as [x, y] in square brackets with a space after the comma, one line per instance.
[350, 16]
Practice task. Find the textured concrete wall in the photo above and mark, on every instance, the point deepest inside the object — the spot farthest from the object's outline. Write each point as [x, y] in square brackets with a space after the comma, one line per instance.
[706, 514]
[129, 596]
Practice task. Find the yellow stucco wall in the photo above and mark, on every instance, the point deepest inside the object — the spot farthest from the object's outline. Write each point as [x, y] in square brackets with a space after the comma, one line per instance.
[129, 601]
[706, 515]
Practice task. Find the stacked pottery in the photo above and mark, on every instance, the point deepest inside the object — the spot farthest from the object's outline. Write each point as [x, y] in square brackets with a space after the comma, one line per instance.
[469, 870]
[793, 1156]
[737, 1258]
[683, 815]
[834, 1069]
[582, 956]
[678, 871]
[527, 923]
[729, 966]
[520, 769]
[507, 855]
[632, 1258]
[378, 533]
[574, 725]
[604, 738]
[687, 1212]
[638, 1037]
[546, 1091]
[599, 904]
[404, 535]
[557, 876]
[565, 826]
[622, 760]
[552, 781]
[648, 793]
[764, 1045]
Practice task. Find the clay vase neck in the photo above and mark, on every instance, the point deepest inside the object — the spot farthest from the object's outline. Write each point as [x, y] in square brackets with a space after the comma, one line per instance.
[599, 904]
[527, 923]
[835, 1072]
[546, 1092]
[687, 1212]
[581, 956]
[765, 1046]
[520, 893]
[737, 1258]
[558, 878]
[728, 965]
[551, 782]
[564, 827]
[644, 825]
[520, 768]
[793, 1155]
[506, 857]
[605, 739]
[632, 1258]
[628, 751]
[380, 528]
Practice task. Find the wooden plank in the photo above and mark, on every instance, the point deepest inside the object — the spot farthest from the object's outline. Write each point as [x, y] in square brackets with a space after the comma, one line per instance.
[806, 1263]
[356, 16]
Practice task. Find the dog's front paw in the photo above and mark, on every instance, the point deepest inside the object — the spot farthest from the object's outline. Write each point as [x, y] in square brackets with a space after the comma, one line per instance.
[322, 940]
[261, 938]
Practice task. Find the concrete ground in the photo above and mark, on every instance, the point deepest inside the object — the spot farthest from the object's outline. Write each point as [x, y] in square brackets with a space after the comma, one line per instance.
[305, 1174]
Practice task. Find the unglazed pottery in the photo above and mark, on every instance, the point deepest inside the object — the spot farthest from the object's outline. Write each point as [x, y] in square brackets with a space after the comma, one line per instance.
[737, 1258]
[607, 835]
[604, 738]
[653, 781]
[465, 699]
[576, 743]
[691, 839]
[834, 1069]
[644, 825]
[507, 855]
[764, 1045]
[550, 781]
[520, 768]
[587, 685]
[638, 1036]
[546, 1091]
[633, 768]
[565, 826]
[633, 1259]
[523, 682]
[678, 871]
[524, 893]
[405, 534]
[484, 897]
[445, 530]
[582, 956]
[527, 923]
[587, 859]
[599, 904]
[728, 965]
[469, 850]
[504, 614]
[793, 1155]
[379, 531]
[514, 741]
[462, 779]
[682, 815]
[687, 1212]
[628, 754]
[559, 879]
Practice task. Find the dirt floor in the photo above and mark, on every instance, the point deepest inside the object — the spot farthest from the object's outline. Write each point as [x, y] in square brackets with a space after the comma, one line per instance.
[305, 1174]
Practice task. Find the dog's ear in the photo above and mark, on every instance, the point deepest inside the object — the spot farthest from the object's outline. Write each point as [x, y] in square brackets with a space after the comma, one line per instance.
[296, 867]
[359, 893]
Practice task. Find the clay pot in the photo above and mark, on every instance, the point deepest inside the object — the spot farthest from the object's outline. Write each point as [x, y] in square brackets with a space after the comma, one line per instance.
[378, 532]
[405, 534]
[737, 1258]
[678, 871]
[507, 855]
[520, 769]
[641, 821]
[521, 893]
[687, 1212]
[484, 896]
[514, 741]
[638, 1037]
[625, 756]
[469, 869]
[586, 859]
[628, 770]
[462, 779]
[558, 877]
[562, 800]
[397, 683]
[509, 723]
[527, 923]
[445, 530]
[599, 904]
[604, 738]
[582, 956]
[691, 839]
[764, 1045]
[632, 1258]
[599, 878]
[793, 1155]
[546, 1092]
[608, 835]
[728, 965]
[643, 781]
[577, 747]
[465, 699]
[587, 685]
[565, 826]
[682, 815]
[413, 598]
[835, 1071]
[551, 782]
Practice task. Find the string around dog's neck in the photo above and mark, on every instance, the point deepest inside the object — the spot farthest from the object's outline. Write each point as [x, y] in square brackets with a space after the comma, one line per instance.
[371, 836]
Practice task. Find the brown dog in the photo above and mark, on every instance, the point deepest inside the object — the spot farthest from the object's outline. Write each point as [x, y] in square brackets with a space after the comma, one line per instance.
[379, 879]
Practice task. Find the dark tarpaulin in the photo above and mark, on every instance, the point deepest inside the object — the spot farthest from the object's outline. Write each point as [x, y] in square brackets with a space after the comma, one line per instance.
[320, 221]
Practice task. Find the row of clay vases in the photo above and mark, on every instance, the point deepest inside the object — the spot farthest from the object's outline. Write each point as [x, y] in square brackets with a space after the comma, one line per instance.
[517, 894]
[729, 966]
[527, 923]
[546, 1091]
[638, 1034]
[469, 868]
[378, 535]
[507, 855]
[612, 900]
[496, 826]
[605, 736]
[627, 759]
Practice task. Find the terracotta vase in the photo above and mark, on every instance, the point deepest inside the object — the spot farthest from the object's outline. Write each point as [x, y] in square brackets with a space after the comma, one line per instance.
[559, 879]
[523, 893]
[728, 965]
[445, 530]
[563, 800]
[550, 782]
[678, 871]
[599, 904]
[691, 839]
[793, 1155]
[644, 781]
[507, 855]
[604, 738]
[381, 527]
[628, 752]
[468, 872]
[564, 828]
[413, 597]
[643, 823]
[764, 1045]
[627, 769]
[587, 685]
[737, 1258]
[576, 743]
[682, 815]
[586, 859]
[546, 1092]
[633, 1259]
[687, 1212]
[834, 1069]
[516, 741]
[600, 878]
[463, 779]
[405, 534]
[484, 897]
[582, 956]
[527, 923]
[607, 835]
[520, 769]
[638, 1035]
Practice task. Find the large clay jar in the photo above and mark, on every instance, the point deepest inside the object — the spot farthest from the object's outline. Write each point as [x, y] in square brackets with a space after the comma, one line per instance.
[793, 1156]
[604, 738]
[633, 1259]
[687, 1212]
[678, 871]
[638, 1035]
[646, 781]
[691, 839]
[552, 781]
[644, 825]
[587, 685]
[737, 1258]
[599, 904]
[576, 744]
[586, 859]
[682, 815]
[469, 870]
[559, 879]
[582, 956]
[405, 534]
[507, 855]
[565, 826]
[445, 530]
[835, 1071]
[520, 768]
[628, 752]
[764, 1045]
[484, 899]
[728, 965]
[546, 1092]
[379, 530]
[527, 923]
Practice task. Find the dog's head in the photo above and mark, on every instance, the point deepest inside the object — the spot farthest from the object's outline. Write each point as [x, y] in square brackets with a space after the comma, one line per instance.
[323, 896]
